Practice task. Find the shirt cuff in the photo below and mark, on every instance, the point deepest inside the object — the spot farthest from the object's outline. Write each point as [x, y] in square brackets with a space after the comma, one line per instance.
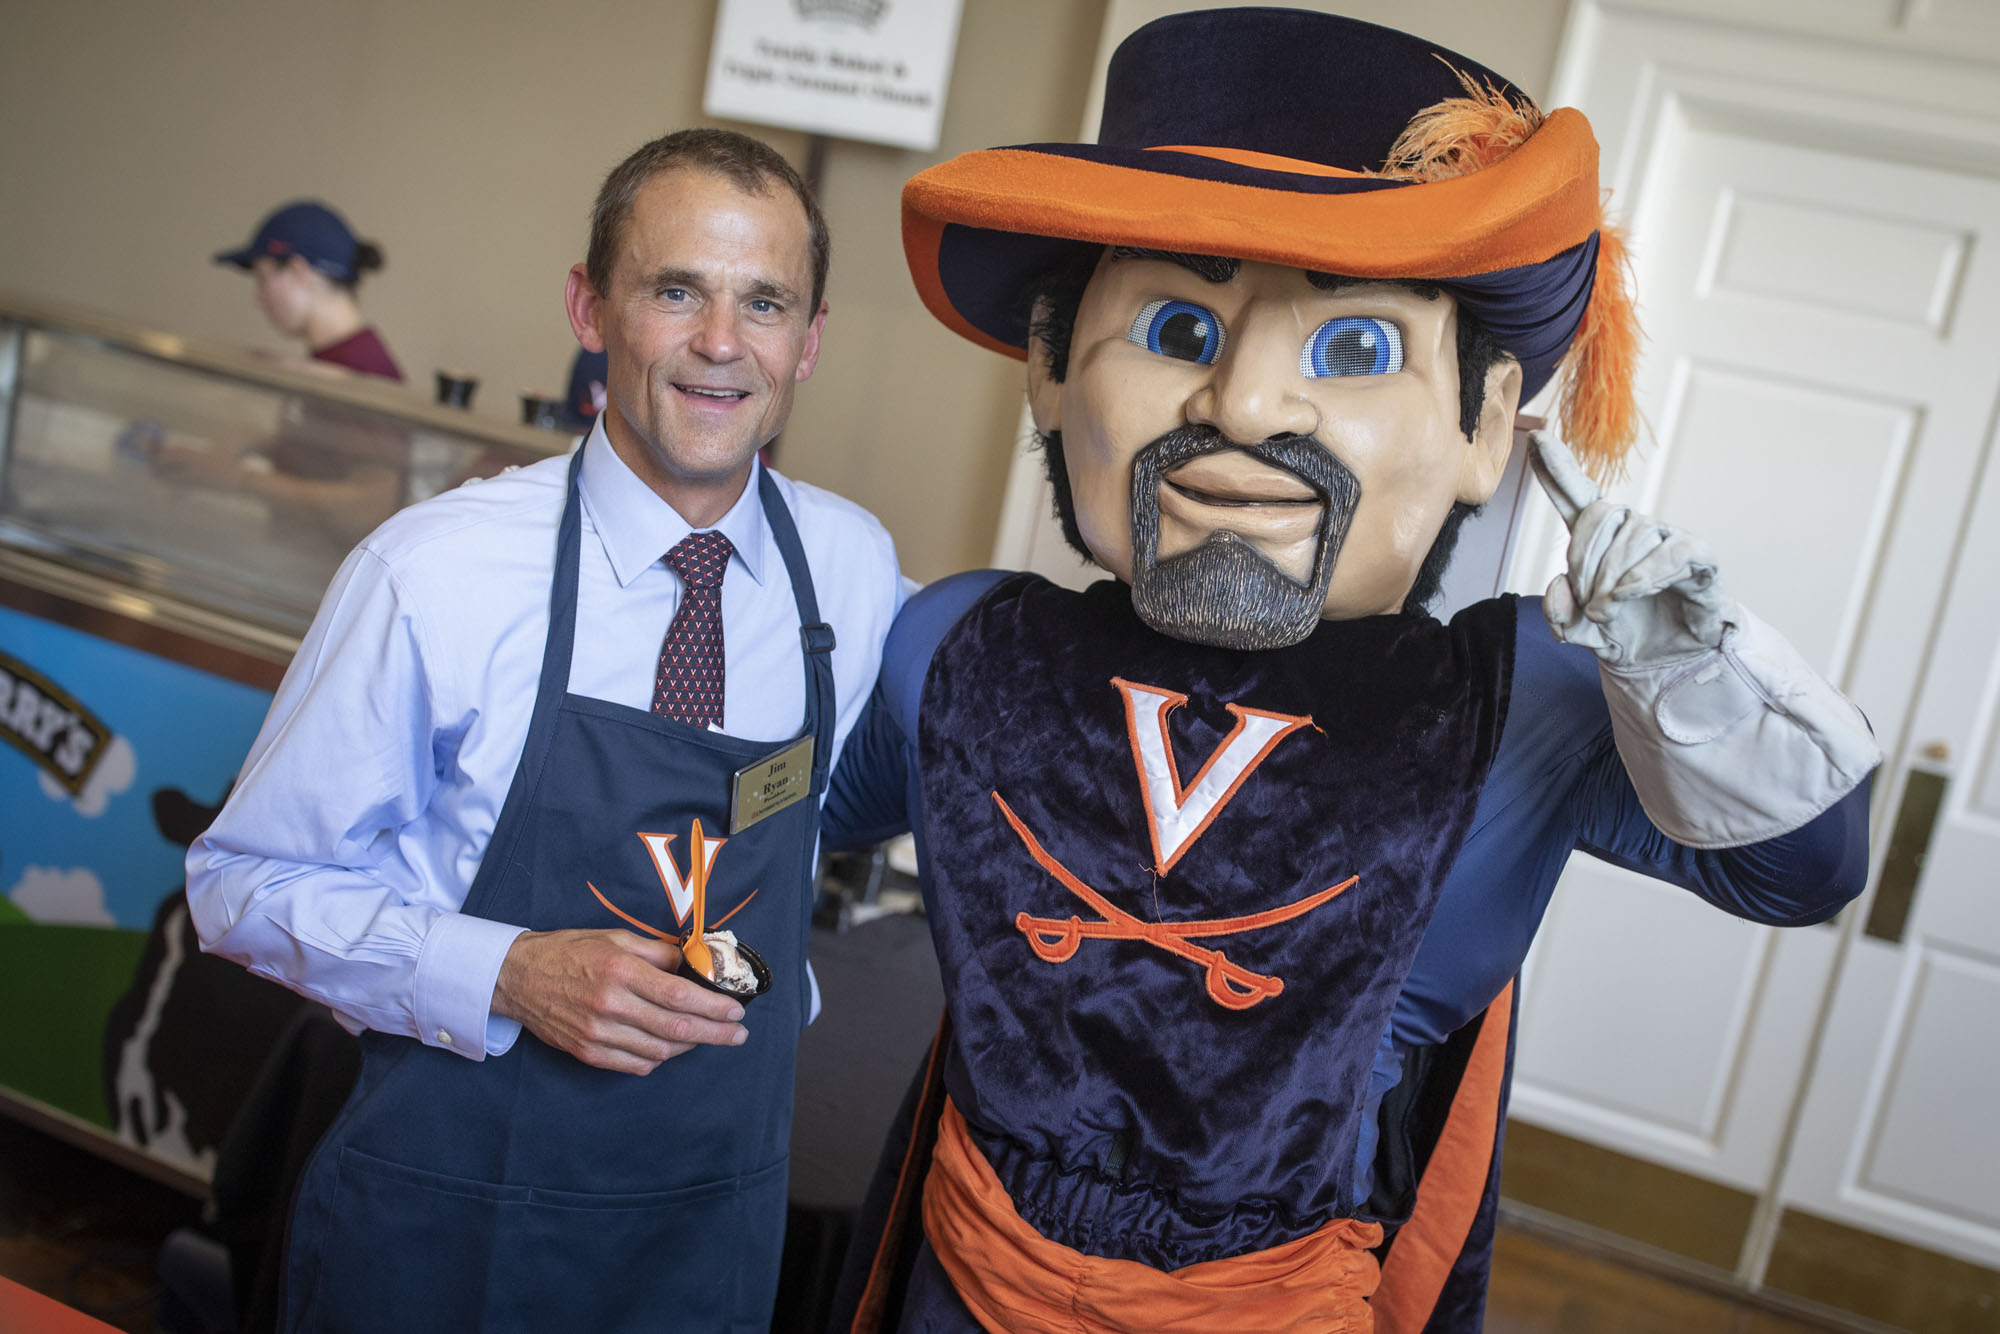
[456, 972]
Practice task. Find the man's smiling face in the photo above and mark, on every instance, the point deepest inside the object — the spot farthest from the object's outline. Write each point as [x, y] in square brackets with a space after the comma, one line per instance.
[1363, 374]
[708, 328]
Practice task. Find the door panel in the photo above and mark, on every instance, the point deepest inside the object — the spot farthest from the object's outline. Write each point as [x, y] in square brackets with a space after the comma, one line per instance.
[1934, 1146]
[1679, 1093]
[1806, 563]
[1912, 268]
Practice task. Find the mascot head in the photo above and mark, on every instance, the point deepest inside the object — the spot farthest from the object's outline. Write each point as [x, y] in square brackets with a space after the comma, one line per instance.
[1279, 317]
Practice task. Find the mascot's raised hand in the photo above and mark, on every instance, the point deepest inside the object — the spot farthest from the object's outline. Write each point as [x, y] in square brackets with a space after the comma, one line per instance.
[1638, 593]
[1728, 735]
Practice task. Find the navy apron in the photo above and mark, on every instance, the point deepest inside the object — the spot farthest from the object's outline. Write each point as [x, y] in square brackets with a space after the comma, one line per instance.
[531, 1192]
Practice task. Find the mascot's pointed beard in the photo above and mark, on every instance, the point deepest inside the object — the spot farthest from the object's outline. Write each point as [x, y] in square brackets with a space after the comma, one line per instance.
[1226, 592]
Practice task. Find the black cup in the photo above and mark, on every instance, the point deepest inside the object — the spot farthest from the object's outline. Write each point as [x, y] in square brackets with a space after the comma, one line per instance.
[455, 388]
[543, 411]
[758, 968]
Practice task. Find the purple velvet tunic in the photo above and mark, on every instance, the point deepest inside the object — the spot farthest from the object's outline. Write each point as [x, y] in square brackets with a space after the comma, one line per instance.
[1113, 1135]
[1173, 1067]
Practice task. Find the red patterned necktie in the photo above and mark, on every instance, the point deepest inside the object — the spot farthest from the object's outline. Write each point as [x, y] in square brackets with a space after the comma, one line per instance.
[688, 687]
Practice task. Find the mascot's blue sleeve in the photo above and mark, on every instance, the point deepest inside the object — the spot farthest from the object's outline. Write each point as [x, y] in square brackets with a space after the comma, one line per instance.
[874, 794]
[1556, 784]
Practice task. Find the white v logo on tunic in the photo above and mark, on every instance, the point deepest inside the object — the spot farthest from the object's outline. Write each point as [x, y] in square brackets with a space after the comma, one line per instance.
[701, 856]
[1177, 814]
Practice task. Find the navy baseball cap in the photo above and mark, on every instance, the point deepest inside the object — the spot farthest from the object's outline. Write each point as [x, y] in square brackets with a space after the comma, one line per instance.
[310, 230]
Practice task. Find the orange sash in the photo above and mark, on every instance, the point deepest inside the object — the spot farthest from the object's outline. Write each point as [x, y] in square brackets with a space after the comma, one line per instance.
[1015, 1281]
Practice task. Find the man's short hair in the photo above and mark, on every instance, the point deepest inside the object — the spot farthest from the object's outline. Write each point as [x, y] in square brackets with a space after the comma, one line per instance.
[1055, 297]
[750, 164]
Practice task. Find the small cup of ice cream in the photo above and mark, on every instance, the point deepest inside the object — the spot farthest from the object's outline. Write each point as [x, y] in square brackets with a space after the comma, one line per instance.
[739, 970]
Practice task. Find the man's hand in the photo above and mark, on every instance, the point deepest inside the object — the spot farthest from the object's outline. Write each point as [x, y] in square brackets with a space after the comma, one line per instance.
[611, 999]
[1638, 592]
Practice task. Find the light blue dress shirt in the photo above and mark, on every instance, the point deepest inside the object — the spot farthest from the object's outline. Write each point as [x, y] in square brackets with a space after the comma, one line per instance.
[340, 861]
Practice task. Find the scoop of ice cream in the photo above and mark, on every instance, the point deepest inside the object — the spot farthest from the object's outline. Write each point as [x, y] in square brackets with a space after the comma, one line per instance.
[730, 970]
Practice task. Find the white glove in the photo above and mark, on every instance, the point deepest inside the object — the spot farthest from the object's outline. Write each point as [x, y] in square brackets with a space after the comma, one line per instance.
[1727, 734]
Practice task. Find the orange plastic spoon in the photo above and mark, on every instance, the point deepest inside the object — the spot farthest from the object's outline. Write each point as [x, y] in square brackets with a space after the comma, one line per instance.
[695, 948]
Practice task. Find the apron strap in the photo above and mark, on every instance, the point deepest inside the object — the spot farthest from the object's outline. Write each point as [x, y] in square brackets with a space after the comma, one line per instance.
[555, 674]
[556, 650]
[815, 635]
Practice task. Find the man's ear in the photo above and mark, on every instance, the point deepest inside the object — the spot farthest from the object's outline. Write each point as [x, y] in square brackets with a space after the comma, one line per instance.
[809, 354]
[1493, 439]
[1044, 390]
[586, 309]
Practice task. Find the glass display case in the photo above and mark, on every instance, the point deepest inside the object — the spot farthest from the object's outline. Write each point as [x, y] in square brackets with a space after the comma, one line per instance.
[170, 514]
[214, 477]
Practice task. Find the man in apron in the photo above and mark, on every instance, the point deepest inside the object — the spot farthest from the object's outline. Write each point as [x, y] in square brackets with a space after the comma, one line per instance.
[543, 728]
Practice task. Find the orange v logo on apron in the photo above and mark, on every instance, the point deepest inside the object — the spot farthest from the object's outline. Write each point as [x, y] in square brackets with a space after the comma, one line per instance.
[701, 856]
[1177, 815]
[681, 889]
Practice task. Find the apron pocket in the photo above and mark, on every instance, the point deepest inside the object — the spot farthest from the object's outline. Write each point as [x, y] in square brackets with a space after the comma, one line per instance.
[409, 1249]
[698, 1258]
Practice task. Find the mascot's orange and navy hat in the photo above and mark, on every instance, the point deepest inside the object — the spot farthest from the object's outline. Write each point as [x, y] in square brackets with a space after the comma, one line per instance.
[1321, 143]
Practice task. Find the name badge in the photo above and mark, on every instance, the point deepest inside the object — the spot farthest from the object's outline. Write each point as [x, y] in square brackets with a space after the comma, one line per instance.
[770, 785]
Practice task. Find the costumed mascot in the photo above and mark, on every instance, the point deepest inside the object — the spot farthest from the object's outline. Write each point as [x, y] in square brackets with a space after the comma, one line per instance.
[1231, 859]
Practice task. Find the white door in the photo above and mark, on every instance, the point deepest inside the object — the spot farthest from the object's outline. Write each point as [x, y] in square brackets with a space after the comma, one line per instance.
[1821, 290]
[1897, 1132]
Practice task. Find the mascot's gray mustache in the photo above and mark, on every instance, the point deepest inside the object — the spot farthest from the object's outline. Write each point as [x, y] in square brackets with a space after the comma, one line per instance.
[1301, 455]
[1225, 592]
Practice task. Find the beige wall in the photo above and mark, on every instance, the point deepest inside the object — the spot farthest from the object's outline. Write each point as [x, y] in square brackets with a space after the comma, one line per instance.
[467, 137]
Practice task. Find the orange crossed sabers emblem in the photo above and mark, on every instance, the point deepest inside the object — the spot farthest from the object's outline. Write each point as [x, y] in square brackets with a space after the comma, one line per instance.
[1229, 984]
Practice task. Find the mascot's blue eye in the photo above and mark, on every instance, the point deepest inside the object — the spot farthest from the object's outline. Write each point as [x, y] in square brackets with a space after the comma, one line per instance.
[1352, 345]
[1178, 329]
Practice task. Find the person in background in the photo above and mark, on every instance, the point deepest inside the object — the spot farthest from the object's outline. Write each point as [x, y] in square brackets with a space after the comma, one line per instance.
[307, 264]
[585, 397]
[544, 729]
[325, 468]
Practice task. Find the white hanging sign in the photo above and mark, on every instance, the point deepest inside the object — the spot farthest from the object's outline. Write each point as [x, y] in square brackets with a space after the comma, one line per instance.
[875, 70]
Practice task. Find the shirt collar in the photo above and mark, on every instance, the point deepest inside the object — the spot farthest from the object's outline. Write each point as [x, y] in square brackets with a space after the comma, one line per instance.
[637, 528]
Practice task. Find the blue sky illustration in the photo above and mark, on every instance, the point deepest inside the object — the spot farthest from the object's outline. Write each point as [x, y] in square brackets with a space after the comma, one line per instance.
[187, 729]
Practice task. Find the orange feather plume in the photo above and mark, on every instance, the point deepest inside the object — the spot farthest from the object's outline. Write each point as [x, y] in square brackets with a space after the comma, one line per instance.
[1596, 407]
[1461, 134]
